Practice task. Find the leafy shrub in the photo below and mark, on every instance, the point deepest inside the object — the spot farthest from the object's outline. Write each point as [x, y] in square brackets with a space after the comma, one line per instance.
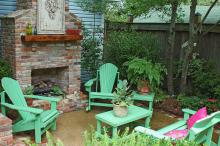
[51, 141]
[196, 103]
[124, 45]
[160, 95]
[91, 51]
[205, 79]
[205, 82]
[5, 70]
[133, 139]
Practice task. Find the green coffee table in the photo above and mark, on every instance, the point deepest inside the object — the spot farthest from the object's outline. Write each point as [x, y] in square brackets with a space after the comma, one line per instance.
[134, 113]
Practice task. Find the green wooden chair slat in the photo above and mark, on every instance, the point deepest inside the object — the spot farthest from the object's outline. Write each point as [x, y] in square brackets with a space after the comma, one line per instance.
[107, 76]
[172, 127]
[201, 132]
[31, 118]
[13, 90]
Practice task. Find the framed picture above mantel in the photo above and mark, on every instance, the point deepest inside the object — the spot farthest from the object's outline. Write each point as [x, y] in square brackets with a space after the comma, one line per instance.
[51, 17]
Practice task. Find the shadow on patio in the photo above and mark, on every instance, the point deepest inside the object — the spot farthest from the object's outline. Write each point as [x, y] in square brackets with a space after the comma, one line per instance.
[70, 126]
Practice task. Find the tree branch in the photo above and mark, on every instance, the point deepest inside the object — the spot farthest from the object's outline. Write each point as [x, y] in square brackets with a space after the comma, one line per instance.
[209, 10]
[211, 28]
[206, 15]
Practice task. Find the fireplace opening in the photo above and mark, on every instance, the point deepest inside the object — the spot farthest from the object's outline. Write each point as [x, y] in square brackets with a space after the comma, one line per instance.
[50, 81]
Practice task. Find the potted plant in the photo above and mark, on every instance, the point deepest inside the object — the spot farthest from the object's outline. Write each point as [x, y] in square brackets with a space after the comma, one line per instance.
[145, 74]
[122, 99]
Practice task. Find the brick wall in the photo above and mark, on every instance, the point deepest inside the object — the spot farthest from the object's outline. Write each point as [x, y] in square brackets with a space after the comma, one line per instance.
[6, 137]
[26, 4]
[8, 41]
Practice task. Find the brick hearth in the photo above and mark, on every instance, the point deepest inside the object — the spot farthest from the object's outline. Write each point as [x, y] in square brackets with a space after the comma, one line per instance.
[6, 137]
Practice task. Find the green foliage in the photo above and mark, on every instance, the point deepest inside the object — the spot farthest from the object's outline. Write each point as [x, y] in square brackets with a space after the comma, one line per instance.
[160, 95]
[51, 141]
[196, 103]
[91, 52]
[141, 69]
[204, 2]
[116, 13]
[122, 96]
[205, 79]
[112, 10]
[140, 7]
[121, 46]
[130, 139]
[94, 5]
[5, 70]
[56, 90]
[29, 90]
[119, 10]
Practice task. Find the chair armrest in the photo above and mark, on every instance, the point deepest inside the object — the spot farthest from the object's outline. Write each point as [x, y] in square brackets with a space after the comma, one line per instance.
[3, 96]
[51, 99]
[25, 109]
[188, 111]
[89, 84]
[173, 126]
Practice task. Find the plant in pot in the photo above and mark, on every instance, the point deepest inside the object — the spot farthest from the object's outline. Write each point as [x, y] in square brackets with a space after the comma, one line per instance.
[145, 74]
[122, 99]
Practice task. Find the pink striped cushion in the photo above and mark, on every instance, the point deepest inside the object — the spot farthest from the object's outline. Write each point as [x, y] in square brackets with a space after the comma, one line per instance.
[177, 134]
[201, 113]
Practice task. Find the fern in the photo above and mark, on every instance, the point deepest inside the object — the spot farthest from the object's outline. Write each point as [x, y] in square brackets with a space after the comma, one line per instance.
[141, 69]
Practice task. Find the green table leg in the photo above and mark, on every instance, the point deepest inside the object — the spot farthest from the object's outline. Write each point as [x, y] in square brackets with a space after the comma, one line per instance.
[114, 132]
[147, 122]
[99, 127]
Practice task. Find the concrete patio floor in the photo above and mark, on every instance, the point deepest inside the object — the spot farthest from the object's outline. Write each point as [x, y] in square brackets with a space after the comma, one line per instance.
[70, 126]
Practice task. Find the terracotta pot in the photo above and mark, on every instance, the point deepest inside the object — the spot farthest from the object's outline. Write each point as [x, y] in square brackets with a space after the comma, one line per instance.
[120, 111]
[143, 87]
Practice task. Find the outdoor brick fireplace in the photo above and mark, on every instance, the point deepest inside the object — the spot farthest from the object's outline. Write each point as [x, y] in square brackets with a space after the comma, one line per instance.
[41, 57]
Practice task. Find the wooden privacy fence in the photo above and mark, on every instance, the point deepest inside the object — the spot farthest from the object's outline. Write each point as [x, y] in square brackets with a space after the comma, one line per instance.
[208, 46]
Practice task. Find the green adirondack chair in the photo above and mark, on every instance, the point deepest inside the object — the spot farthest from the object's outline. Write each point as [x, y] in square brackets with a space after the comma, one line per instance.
[201, 132]
[107, 76]
[30, 118]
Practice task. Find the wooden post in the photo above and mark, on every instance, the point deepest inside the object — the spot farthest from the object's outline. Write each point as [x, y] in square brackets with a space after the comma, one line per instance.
[130, 18]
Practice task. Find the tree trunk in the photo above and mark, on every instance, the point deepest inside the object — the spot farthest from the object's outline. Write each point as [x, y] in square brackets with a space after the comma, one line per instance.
[188, 53]
[170, 49]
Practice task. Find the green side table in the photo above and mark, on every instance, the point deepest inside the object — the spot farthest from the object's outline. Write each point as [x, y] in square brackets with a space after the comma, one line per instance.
[134, 113]
[149, 97]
